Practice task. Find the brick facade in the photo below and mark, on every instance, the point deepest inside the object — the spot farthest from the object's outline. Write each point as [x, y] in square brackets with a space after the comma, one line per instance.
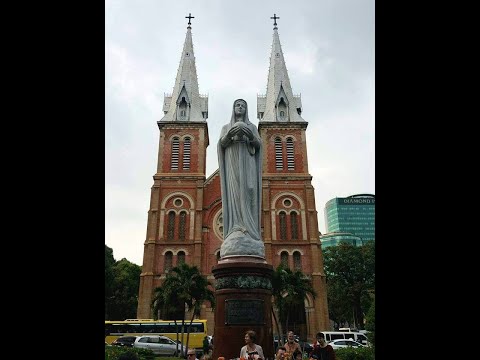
[286, 193]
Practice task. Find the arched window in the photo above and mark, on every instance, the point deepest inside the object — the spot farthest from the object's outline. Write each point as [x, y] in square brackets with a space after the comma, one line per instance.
[283, 225]
[290, 155]
[171, 225]
[180, 258]
[294, 225]
[181, 225]
[297, 261]
[175, 148]
[186, 154]
[168, 261]
[278, 154]
[284, 258]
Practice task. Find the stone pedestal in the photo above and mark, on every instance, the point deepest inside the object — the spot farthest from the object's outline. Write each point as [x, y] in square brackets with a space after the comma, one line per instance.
[243, 295]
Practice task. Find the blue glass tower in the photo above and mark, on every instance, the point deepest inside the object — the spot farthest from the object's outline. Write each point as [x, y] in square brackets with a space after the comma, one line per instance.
[354, 214]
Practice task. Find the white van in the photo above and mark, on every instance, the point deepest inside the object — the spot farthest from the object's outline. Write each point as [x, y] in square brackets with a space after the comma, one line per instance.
[354, 335]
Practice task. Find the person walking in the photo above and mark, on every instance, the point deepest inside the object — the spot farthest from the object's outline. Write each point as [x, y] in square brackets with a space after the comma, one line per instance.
[191, 354]
[251, 350]
[321, 350]
[280, 355]
[206, 345]
[291, 345]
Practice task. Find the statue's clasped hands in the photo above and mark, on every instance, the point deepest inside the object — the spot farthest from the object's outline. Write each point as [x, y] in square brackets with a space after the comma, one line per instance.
[240, 129]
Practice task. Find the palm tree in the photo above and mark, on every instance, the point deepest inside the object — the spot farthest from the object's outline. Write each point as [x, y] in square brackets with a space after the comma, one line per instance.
[199, 293]
[184, 288]
[277, 288]
[165, 302]
[290, 289]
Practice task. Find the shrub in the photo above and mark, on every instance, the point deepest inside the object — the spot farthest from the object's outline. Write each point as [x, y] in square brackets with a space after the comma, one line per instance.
[126, 353]
[363, 353]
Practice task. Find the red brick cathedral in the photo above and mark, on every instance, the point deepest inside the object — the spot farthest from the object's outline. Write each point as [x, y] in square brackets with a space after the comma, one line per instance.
[185, 215]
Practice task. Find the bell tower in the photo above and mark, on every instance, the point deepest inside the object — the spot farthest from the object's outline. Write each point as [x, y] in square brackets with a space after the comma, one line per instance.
[290, 225]
[174, 225]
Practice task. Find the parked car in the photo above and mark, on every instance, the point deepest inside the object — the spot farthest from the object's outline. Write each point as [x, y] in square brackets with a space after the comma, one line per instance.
[335, 335]
[160, 345]
[124, 341]
[343, 343]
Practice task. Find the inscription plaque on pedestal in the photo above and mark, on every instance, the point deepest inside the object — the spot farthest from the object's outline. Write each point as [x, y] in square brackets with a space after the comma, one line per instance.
[244, 312]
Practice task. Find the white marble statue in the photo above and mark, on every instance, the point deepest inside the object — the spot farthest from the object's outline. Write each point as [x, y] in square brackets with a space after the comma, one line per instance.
[240, 163]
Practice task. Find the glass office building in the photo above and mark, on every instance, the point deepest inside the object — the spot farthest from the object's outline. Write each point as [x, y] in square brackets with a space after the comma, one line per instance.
[335, 238]
[354, 214]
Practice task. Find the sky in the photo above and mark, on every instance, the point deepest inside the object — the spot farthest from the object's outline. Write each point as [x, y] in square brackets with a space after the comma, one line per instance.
[329, 50]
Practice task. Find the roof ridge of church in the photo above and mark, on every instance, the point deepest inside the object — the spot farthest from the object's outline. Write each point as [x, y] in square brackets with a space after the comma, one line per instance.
[211, 177]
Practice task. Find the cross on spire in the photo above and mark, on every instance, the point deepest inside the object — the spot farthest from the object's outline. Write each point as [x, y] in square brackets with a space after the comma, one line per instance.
[275, 17]
[189, 17]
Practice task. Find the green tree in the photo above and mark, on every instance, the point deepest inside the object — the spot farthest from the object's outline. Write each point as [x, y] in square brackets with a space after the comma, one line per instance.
[290, 289]
[350, 270]
[200, 293]
[166, 305]
[184, 289]
[339, 307]
[109, 279]
[277, 288]
[370, 323]
[126, 282]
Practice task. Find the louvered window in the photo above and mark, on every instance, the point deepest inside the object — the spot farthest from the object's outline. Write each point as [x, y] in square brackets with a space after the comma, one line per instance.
[278, 154]
[186, 154]
[180, 258]
[181, 226]
[294, 225]
[297, 262]
[284, 258]
[283, 225]
[175, 148]
[171, 225]
[168, 260]
[290, 155]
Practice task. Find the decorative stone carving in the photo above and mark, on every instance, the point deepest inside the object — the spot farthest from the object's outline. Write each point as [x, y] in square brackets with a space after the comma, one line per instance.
[243, 282]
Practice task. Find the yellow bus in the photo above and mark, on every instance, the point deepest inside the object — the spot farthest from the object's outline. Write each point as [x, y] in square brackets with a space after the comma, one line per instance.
[134, 327]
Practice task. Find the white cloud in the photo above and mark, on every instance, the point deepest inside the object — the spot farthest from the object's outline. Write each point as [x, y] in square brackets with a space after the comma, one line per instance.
[341, 151]
[302, 59]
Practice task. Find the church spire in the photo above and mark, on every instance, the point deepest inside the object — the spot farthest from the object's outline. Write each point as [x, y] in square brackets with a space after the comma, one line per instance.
[279, 104]
[185, 103]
